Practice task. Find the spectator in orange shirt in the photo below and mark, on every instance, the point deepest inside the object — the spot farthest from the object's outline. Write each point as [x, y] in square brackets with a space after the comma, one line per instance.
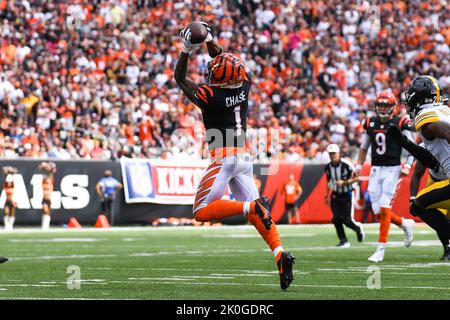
[291, 192]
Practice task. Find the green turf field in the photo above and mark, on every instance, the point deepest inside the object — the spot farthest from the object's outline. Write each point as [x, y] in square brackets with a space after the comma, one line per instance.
[215, 263]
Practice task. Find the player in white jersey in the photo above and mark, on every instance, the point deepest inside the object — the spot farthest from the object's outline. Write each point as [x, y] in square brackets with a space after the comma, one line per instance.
[424, 103]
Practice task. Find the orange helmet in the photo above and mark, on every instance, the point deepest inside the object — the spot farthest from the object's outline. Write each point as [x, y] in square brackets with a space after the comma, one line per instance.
[384, 105]
[226, 70]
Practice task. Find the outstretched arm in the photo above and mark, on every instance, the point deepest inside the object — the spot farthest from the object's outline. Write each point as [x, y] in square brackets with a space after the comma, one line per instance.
[186, 85]
[410, 158]
[213, 48]
[420, 153]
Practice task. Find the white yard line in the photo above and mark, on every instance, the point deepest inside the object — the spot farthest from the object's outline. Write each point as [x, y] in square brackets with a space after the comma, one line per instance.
[51, 298]
[30, 230]
[72, 256]
[417, 243]
[180, 281]
[341, 271]
[57, 240]
[250, 235]
[27, 285]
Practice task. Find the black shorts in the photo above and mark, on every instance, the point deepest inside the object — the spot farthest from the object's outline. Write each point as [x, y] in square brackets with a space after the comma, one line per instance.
[290, 206]
[10, 204]
[106, 204]
[47, 202]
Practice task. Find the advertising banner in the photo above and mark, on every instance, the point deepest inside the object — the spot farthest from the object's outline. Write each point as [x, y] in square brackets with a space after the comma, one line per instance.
[161, 189]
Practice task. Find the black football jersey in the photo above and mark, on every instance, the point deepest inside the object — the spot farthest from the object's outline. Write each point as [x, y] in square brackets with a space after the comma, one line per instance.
[224, 114]
[385, 151]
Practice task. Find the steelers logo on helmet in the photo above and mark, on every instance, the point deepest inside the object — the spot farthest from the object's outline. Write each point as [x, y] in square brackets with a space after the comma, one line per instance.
[385, 105]
[424, 91]
[227, 71]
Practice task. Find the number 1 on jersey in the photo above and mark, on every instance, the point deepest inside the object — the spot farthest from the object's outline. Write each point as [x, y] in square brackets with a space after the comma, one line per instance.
[237, 116]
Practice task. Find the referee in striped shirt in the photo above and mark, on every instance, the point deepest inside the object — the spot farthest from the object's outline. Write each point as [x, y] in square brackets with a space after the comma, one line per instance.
[339, 175]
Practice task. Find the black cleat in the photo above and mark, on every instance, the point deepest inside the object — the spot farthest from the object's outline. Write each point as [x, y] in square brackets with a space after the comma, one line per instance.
[263, 211]
[285, 269]
[446, 256]
[3, 259]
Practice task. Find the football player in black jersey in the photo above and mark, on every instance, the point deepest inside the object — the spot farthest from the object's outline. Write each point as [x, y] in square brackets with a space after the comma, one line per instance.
[223, 101]
[386, 168]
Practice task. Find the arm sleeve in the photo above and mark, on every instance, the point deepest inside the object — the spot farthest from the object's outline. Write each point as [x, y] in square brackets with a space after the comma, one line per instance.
[365, 141]
[420, 153]
[410, 158]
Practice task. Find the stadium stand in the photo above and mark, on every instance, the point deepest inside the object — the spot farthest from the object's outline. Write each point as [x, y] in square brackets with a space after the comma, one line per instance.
[94, 79]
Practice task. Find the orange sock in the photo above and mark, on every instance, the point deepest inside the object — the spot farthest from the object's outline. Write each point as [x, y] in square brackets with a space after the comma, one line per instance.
[220, 209]
[385, 224]
[395, 219]
[272, 237]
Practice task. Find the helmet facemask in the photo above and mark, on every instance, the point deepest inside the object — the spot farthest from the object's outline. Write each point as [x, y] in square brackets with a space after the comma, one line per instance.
[384, 111]
[423, 91]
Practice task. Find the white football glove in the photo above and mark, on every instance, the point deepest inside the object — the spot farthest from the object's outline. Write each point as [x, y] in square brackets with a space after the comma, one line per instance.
[188, 47]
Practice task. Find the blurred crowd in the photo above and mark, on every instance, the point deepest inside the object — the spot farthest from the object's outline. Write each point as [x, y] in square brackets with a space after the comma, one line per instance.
[94, 79]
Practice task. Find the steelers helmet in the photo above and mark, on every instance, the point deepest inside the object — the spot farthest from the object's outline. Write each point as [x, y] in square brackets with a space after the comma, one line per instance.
[423, 90]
